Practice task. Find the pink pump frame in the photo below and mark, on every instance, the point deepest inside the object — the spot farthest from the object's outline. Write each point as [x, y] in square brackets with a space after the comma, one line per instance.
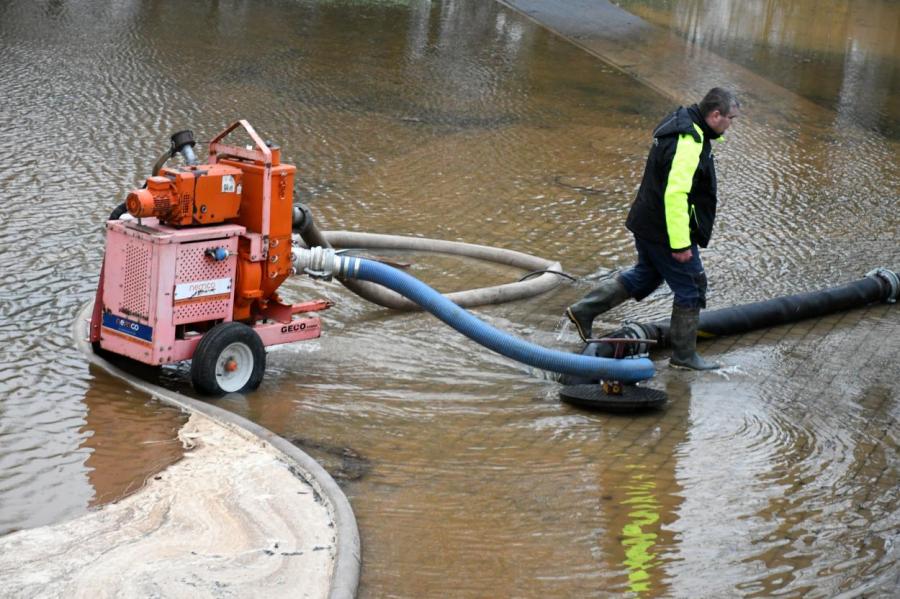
[125, 333]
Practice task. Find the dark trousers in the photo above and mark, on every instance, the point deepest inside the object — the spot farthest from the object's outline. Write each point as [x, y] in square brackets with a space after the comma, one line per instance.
[687, 280]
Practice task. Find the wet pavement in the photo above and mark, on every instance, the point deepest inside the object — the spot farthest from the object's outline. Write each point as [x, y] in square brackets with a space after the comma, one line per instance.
[469, 121]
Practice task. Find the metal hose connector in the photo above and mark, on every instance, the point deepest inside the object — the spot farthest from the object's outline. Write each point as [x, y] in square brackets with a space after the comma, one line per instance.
[891, 278]
[323, 263]
[635, 330]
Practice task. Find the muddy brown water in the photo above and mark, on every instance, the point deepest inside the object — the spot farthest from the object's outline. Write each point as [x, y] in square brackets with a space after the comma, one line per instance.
[467, 120]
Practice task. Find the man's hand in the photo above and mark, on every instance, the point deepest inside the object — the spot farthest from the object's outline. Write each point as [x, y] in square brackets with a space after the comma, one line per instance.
[684, 256]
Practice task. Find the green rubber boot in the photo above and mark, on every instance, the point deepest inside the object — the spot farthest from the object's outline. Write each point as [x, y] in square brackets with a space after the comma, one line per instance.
[606, 296]
[683, 334]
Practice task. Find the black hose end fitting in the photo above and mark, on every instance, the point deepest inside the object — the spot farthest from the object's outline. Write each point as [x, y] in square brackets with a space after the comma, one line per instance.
[183, 143]
[891, 281]
[181, 139]
[302, 218]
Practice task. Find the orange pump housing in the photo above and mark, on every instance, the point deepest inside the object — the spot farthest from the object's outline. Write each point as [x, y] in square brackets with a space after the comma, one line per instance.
[260, 271]
[247, 186]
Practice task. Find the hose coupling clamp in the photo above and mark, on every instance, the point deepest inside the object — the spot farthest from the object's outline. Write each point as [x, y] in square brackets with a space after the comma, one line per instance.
[891, 278]
[633, 330]
[317, 262]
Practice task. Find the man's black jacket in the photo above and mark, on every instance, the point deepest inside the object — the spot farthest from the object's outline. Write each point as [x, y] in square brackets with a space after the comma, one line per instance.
[676, 202]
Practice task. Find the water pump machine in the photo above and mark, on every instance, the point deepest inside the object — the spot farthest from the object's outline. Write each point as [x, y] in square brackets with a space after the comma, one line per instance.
[194, 272]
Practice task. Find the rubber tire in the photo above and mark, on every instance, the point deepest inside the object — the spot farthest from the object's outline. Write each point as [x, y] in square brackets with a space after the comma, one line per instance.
[211, 346]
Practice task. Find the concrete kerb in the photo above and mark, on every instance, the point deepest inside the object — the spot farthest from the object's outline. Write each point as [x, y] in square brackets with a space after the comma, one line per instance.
[348, 559]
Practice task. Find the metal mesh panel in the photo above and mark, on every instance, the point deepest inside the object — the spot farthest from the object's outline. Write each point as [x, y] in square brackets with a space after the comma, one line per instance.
[136, 280]
[193, 265]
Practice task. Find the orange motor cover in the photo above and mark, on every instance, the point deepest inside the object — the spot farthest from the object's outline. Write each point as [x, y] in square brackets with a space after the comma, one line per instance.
[203, 194]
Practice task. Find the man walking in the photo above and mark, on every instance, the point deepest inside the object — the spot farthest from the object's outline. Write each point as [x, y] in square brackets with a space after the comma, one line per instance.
[671, 219]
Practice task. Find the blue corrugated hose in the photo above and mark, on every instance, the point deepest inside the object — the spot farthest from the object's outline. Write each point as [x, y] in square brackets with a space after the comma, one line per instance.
[627, 371]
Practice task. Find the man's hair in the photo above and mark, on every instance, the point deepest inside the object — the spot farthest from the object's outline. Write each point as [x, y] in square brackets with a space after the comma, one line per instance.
[718, 99]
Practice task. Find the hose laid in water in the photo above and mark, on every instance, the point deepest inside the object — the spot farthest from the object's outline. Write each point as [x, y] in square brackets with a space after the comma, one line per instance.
[324, 263]
[306, 227]
[879, 285]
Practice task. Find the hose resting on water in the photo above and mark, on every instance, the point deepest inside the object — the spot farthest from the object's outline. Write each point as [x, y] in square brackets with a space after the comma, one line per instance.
[312, 236]
[325, 263]
[879, 285]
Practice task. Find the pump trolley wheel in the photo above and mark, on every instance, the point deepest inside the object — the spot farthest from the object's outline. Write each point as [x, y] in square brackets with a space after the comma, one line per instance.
[229, 358]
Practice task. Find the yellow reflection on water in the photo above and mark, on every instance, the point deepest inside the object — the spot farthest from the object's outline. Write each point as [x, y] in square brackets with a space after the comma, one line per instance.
[640, 532]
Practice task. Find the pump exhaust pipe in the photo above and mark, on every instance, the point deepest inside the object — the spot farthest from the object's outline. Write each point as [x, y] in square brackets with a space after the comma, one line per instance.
[183, 143]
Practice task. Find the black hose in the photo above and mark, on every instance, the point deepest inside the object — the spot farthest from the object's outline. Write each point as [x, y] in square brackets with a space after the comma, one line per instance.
[878, 285]
[157, 166]
[540, 272]
[783, 310]
[118, 211]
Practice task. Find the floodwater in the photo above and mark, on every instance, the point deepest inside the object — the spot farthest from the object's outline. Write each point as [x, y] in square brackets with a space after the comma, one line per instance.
[466, 120]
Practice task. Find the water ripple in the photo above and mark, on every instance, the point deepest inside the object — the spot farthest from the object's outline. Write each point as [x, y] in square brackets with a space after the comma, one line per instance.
[461, 120]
